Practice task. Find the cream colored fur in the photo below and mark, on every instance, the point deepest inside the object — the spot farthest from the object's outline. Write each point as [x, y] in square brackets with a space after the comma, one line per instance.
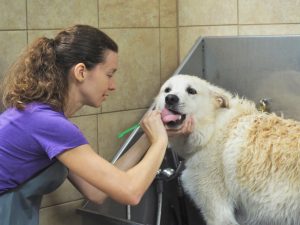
[237, 159]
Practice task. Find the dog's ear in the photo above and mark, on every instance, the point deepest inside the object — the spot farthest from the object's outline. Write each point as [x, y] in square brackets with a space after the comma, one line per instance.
[221, 101]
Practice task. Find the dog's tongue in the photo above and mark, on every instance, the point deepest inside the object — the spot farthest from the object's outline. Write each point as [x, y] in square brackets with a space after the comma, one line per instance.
[168, 116]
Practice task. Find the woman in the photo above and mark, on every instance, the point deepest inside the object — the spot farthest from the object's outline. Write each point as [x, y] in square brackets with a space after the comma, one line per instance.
[50, 81]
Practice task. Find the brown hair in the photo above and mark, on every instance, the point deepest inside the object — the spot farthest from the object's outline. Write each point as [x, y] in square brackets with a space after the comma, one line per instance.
[41, 73]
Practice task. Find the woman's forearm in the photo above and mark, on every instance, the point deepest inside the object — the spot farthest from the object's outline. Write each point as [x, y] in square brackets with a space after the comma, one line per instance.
[129, 159]
[134, 154]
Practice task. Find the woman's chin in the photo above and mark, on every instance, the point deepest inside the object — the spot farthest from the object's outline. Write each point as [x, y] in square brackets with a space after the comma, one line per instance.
[99, 103]
[96, 103]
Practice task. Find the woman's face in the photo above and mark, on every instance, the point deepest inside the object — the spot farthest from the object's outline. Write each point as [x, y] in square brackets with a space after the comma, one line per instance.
[100, 81]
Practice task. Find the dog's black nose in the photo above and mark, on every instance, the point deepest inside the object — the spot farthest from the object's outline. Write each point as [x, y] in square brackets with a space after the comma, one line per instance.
[171, 99]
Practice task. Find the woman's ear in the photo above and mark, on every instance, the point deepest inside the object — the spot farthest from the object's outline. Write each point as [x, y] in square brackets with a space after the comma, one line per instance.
[80, 72]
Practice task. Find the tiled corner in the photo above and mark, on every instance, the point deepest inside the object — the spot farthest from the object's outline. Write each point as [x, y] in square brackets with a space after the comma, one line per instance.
[189, 35]
[168, 52]
[207, 12]
[110, 125]
[168, 13]
[61, 214]
[13, 15]
[54, 14]
[262, 12]
[88, 126]
[65, 193]
[138, 76]
[12, 43]
[275, 29]
[133, 13]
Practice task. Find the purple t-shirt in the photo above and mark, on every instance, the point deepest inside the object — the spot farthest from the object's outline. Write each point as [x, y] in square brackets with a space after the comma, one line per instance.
[30, 139]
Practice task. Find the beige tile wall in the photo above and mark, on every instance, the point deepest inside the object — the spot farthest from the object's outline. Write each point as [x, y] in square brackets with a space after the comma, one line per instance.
[146, 32]
[235, 17]
[153, 37]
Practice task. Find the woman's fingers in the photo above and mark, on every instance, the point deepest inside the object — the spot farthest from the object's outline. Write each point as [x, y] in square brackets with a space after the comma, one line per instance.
[153, 125]
[186, 128]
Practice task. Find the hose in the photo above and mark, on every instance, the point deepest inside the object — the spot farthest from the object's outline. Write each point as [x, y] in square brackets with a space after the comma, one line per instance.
[159, 189]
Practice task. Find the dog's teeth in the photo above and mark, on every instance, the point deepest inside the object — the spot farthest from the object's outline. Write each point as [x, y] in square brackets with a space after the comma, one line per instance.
[179, 118]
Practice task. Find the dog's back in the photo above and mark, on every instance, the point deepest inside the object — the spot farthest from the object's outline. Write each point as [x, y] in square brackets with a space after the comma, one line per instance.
[263, 173]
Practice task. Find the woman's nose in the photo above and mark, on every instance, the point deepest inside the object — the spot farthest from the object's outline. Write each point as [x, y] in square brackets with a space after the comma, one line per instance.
[112, 85]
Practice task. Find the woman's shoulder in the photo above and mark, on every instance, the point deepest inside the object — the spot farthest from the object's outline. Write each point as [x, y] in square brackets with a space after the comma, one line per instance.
[34, 116]
[41, 114]
[42, 109]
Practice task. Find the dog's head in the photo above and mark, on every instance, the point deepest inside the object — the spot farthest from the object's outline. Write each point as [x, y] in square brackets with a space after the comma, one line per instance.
[185, 95]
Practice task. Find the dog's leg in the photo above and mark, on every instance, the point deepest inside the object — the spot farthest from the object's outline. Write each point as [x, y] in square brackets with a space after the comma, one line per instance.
[217, 211]
[205, 185]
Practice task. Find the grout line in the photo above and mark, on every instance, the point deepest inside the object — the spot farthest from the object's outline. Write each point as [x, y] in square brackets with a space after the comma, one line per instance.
[177, 29]
[159, 42]
[98, 14]
[116, 111]
[244, 24]
[182, 26]
[54, 29]
[238, 17]
[26, 9]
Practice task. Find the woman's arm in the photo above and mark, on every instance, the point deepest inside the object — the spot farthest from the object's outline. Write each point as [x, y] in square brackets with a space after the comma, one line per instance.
[130, 158]
[123, 186]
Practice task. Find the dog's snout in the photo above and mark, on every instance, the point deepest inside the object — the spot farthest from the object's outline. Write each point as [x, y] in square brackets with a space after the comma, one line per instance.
[171, 99]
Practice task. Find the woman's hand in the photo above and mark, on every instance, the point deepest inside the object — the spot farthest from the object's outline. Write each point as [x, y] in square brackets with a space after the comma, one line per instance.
[154, 127]
[186, 128]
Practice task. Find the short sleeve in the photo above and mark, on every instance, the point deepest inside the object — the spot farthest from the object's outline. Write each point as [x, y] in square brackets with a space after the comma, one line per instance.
[55, 133]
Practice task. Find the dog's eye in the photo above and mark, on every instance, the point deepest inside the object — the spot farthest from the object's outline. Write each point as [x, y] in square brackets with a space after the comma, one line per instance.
[167, 90]
[191, 91]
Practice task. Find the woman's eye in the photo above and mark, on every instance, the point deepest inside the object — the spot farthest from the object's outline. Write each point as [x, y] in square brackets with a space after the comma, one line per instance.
[191, 91]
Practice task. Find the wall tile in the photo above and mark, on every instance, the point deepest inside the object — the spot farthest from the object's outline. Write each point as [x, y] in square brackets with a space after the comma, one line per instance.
[34, 34]
[189, 35]
[276, 29]
[53, 14]
[88, 126]
[61, 214]
[138, 76]
[12, 43]
[168, 52]
[133, 13]
[13, 14]
[207, 12]
[275, 11]
[87, 110]
[110, 125]
[168, 13]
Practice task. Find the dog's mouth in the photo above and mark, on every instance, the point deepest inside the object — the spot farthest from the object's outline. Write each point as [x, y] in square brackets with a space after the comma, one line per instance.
[172, 118]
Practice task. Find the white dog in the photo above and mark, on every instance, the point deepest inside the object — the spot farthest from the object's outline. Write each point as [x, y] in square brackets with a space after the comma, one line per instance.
[242, 165]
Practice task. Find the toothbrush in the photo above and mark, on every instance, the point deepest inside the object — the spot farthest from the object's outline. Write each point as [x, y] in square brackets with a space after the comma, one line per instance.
[120, 135]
